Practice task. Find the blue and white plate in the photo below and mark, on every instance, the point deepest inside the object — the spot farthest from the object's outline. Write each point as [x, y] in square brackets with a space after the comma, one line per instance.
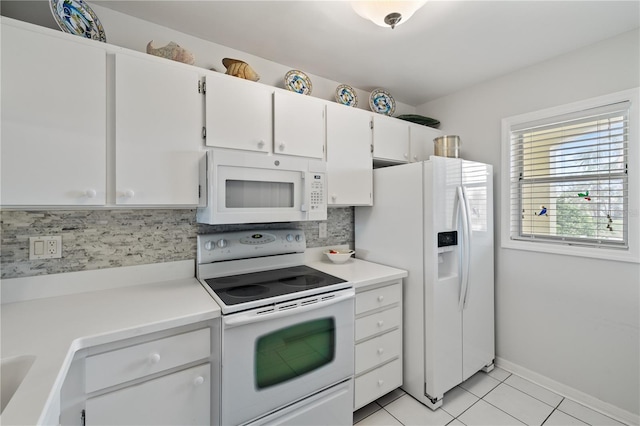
[380, 101]
[345, 95]
[76, 17]
[298, 82]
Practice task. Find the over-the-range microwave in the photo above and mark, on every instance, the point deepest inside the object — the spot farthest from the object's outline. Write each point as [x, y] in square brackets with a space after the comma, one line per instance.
[253, 187]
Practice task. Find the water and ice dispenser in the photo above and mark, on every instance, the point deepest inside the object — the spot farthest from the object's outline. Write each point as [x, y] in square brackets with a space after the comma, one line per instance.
[447, 254]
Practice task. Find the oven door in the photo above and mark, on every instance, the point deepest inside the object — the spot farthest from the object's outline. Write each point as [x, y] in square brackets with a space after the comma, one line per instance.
[278, 355]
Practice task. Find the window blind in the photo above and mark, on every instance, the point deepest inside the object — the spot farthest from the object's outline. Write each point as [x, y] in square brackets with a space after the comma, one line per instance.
[569, 178]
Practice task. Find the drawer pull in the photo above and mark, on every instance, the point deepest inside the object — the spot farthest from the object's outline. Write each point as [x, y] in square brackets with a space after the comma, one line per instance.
[380, 298]
[380, 351]
[198, 381]
[380, 382]
[154, 358]
[380, 323]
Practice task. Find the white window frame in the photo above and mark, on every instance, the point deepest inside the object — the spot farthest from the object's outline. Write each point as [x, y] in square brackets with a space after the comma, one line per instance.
[632, 253]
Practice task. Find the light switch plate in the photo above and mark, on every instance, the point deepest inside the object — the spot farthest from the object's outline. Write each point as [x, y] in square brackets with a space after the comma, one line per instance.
[322, 230]
[45, 247]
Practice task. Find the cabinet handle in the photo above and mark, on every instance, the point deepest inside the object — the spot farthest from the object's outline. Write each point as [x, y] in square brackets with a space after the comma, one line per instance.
[406, 155]
[260, 144]
[154, 358]
[127, 194]
[90, 193]
[380, 298]
[380, 351]
[334, 197]
[380, 382]
[281, 146]
[380, 323]
[415, 158]
[198, 381]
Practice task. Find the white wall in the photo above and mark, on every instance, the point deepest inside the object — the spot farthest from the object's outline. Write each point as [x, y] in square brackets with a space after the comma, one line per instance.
[567, 322]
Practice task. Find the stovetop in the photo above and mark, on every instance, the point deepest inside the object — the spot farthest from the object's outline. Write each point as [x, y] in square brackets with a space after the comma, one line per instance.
[244, 270]
[254, 286]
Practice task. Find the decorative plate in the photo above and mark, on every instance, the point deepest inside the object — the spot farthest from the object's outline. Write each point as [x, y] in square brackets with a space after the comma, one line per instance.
[345, 95]
[76, 17]
[380, 101]
[298, 82]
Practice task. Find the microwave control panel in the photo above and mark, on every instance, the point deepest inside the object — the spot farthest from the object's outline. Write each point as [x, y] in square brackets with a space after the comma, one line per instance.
[317, 191]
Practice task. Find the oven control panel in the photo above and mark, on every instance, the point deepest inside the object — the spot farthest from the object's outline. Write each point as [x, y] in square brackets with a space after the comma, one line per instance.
[249, 244]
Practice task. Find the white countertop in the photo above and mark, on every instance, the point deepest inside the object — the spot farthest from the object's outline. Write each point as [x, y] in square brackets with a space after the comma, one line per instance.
[53, 328]
[359, 272]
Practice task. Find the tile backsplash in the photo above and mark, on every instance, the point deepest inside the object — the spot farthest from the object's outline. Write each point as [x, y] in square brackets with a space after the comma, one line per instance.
[97, 239]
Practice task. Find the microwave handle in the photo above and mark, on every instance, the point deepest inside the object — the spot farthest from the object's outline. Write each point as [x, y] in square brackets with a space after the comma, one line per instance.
[304, 204]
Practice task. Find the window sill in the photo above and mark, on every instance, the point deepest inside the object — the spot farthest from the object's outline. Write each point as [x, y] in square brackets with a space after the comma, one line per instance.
[618, 255]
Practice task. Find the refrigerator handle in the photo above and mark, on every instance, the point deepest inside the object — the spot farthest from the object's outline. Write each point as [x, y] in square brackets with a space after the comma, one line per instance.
[464, 252]
[467, 243]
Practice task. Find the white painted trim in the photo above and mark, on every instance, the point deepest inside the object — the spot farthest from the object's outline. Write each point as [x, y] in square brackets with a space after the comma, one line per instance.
[571, 393]
[41, 286]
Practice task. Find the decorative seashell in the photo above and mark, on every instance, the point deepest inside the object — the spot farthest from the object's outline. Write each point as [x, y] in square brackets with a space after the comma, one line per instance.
[172, 51]
[238, 68]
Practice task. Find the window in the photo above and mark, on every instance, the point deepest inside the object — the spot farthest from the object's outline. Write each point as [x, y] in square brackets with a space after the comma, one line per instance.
[570, 179]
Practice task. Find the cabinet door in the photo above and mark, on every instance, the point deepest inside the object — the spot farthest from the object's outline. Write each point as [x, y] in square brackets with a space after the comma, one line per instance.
[390, 139]
[238, 113]
[53, 120]
[349, 158]
[421, 141]
[298, 125]
[181, 398]
[158, 125]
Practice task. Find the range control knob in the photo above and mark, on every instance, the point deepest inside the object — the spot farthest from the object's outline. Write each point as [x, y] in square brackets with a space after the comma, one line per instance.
[222, 243]
[289, 237]
[208, 245]
[298, 238]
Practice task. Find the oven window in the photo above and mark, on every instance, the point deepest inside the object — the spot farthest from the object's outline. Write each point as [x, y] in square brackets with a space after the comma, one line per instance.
[293, 351]
[258, 194]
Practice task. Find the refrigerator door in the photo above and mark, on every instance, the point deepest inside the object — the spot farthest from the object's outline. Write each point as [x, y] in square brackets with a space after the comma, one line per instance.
[478, 313]
[443, 318]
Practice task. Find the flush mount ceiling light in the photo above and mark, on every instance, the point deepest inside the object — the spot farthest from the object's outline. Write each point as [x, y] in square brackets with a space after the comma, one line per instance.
[387, 13]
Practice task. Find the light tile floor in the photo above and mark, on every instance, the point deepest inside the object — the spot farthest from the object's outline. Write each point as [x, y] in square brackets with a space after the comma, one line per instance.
[491, 399]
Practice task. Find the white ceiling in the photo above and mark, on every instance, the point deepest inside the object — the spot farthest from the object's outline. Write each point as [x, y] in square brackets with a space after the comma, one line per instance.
[444, 47]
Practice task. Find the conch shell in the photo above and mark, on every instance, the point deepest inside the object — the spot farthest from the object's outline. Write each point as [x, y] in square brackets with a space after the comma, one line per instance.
[172, 51]
[238, 68]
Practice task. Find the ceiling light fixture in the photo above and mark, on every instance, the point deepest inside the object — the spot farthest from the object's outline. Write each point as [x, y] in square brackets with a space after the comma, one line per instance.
[387, 13]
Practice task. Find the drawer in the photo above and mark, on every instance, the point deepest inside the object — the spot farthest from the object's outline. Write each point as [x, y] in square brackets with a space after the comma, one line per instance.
[377, 383]
[378, 322]
[383, 296]
[378, 350]
[121, 365]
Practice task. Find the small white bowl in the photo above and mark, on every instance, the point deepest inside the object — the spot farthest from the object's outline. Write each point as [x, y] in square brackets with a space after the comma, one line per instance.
[339, 256]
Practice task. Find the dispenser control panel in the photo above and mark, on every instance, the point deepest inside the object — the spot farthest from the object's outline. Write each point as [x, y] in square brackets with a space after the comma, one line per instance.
[447, 239]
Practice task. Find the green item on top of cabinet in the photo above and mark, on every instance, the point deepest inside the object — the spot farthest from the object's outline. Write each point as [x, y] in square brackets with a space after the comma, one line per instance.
[420, 119]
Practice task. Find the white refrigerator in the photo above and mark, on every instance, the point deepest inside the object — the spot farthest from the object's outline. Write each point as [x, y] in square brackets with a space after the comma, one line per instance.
[435, 220]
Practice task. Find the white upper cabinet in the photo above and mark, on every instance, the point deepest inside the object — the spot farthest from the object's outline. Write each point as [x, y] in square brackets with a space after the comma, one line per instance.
[158, 125]
[349, 158]
[390, 139]
[421, 141]
[238, 113]
[53, 121]
[298, 125]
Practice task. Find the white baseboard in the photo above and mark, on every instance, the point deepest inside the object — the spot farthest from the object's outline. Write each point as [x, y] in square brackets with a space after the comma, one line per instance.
[569, 392]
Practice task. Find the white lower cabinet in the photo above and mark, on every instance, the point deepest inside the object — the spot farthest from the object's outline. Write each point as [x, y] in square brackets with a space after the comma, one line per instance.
[165, 378]
[180, 398]
[378, 342]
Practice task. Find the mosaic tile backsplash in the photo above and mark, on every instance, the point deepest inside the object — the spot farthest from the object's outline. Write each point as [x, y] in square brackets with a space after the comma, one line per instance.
[97, 239]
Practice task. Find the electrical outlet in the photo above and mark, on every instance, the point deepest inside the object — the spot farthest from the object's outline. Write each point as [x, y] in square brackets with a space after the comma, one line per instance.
[45, 247]
[322, 230]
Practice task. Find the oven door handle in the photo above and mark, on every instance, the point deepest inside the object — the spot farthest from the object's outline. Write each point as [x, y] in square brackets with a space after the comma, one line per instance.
[280, 310]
